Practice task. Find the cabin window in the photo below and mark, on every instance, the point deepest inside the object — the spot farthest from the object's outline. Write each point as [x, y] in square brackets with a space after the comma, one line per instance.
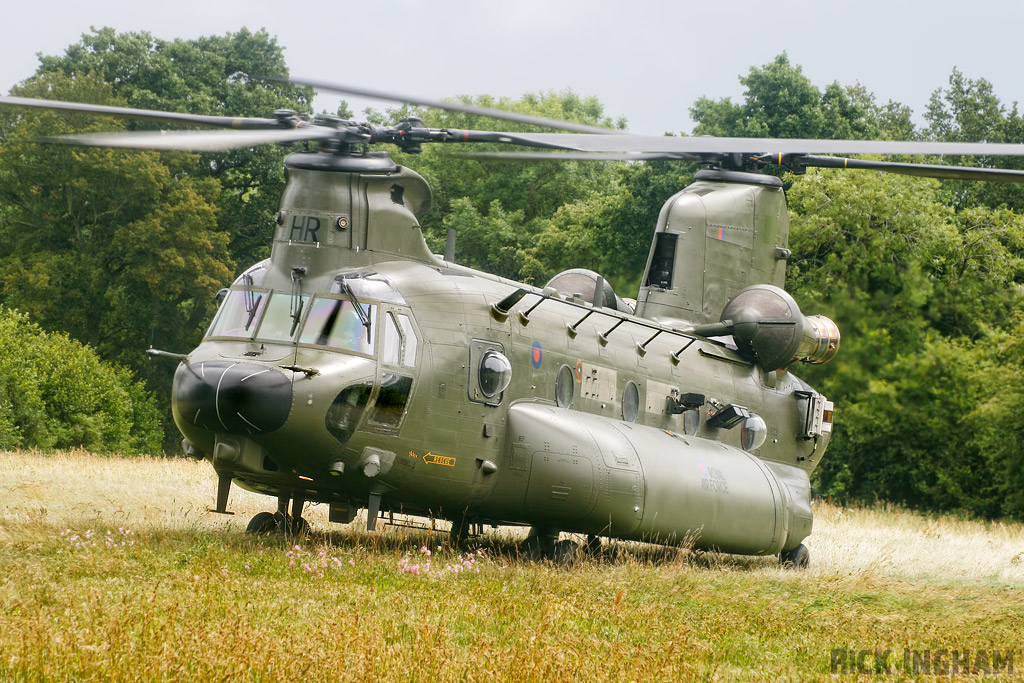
[753, 433]
[565, 387]
[337, 324]
[489, 372]
[391, 400]
[663, 261]
[630, 402]
[495, 373]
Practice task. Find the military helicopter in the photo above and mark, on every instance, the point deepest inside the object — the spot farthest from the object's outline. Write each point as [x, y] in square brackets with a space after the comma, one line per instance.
[356, 368]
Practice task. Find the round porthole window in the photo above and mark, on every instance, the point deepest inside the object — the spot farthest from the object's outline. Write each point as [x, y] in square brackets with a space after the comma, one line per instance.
[630, 402]
[495, 373]
[565, 387]
[753, 433]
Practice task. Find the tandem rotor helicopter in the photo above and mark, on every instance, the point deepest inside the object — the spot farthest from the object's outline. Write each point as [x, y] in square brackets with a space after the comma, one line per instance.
[356, 368]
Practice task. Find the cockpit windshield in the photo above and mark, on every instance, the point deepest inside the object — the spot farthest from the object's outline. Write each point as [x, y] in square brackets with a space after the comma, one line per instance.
[340, 319]
[336, 323]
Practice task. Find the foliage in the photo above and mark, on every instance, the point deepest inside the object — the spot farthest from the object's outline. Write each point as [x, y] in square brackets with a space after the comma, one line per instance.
[57, 393]
[495, 192]
[779, 101]
[969, 111]
[120, 249]
[997, 418]
[213, 75]
[919, 291]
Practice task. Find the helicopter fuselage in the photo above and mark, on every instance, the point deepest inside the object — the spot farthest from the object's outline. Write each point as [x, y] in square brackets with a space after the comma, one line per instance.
[393, 380]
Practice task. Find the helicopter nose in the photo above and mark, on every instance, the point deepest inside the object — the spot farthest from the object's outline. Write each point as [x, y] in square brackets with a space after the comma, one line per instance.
[238, 398]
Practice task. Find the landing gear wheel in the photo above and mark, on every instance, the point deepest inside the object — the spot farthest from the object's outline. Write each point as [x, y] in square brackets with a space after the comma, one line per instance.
[566, 553]
[797, 558]
[538, 547]
[298, 526]
[262, 523]
[291, 526]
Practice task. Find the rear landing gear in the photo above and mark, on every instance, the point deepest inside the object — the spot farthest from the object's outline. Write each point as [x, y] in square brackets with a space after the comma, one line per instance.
[543, 544]
[281, 522]
[796, 558]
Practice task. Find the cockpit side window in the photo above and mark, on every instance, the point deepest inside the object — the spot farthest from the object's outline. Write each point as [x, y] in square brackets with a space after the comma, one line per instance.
[391, 349]
[409, 352]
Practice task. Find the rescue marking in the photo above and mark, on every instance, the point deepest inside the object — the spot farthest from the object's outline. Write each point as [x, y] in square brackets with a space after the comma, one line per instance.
[445, 460]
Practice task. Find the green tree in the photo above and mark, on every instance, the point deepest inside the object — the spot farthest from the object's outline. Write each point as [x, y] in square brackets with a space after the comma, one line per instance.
[969, 111]
[57, 393]
[997, 417]
[917, 289]
[213, 75]
[781, 102]
[120, 249]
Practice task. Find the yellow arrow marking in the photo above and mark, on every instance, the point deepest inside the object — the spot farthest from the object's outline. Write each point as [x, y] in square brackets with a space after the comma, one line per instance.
[445, 460]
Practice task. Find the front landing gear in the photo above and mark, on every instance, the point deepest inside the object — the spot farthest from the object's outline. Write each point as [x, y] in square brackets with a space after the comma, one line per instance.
[281, 522]
[796, 558]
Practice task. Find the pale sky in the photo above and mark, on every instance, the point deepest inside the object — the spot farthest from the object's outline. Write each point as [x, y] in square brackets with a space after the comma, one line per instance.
[647, 60]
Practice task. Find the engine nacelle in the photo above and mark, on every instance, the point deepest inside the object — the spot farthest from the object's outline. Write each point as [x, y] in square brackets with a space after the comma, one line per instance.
[769, 329]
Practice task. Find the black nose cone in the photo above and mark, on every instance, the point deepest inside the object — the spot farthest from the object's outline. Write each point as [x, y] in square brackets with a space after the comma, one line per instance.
[238, 398]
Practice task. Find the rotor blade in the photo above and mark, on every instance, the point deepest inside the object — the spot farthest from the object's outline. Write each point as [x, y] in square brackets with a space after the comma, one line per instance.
[194, 140]
[450, 106]
[1000, 175]
[240, 123]
[629, 143]
[584, 156]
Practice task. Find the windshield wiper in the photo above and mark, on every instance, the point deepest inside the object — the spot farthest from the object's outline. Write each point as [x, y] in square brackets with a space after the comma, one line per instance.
[295, 310]
[252, 302]
[363, 318]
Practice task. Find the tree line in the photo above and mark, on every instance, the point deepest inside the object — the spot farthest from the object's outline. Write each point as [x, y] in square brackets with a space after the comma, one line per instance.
[124, 250]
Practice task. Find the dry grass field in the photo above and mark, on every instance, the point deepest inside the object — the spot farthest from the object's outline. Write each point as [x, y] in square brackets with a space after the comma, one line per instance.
[113, 569]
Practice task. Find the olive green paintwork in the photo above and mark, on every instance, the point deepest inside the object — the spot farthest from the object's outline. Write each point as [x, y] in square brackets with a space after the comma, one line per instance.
[518, 457]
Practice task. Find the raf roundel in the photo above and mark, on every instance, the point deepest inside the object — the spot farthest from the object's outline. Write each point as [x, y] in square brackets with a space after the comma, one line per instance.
[536, 354]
